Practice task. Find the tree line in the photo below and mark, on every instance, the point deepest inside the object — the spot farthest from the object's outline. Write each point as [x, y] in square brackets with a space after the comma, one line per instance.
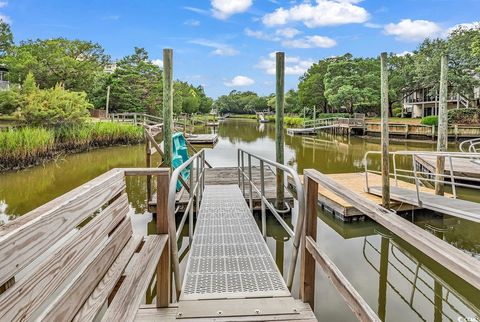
[83, 66]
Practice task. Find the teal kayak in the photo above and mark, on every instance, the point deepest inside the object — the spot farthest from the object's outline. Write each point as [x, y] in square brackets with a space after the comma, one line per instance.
[180, 156]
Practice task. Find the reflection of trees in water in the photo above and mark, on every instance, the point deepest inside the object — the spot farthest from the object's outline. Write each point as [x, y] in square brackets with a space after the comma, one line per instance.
[243, 131]
[417, 280]
[25, 190]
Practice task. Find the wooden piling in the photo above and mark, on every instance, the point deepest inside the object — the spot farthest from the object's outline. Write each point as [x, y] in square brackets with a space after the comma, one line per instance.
[442, 136]
[167, 106]
[279, 135]
[108, 101]
[384, 139]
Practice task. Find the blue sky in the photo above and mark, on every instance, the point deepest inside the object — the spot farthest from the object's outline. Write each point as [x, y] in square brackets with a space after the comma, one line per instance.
[228, 44]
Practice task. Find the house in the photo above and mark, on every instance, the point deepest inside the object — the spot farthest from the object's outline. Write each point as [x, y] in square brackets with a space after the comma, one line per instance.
[423, 102]
[4, 83]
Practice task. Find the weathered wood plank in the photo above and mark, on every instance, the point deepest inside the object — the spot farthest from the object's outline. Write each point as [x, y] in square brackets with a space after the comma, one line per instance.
[356, 303]
[453, 259]
[127, 301]
[25, 238]
[71, 298]
[99, 296]
[307, 267]
[28, 294]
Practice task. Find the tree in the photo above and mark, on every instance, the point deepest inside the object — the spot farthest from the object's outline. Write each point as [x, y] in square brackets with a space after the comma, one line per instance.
[311, 89]
[353, 83]
[9, 101]
[6, 38]
[401, 79]
[136, 84]
[72, 63]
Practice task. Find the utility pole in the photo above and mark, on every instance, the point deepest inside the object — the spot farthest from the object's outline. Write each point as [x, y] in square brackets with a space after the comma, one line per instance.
[385, 138]
[442, 140]
[108, 101]
[279, 135]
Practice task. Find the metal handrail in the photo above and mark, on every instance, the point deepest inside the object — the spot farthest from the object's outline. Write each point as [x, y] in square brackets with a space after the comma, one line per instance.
[194, 194]
[418, 176]
[295, 234]
[472, 145]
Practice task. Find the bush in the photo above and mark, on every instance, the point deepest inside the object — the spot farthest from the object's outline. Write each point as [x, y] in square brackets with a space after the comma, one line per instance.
[430, 120]
[464, 116]
[397, 112]
[55, 106]
[9, 101]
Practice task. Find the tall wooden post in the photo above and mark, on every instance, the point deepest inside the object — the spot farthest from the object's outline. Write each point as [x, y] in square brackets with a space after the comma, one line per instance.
[167, 105]
[279, 135]
[163, 267]
[442, 125]
[385, 138]
[108, 101]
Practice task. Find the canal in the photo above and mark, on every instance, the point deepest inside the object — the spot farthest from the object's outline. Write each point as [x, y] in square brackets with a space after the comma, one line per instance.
[397, 281]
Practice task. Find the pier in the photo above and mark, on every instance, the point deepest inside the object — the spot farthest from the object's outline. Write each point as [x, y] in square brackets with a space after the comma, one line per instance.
[337, 124]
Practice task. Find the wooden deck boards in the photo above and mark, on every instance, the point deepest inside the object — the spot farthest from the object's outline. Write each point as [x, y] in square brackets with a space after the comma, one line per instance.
[229, 175]
[461, 166]
[356, 182]
[202, 138]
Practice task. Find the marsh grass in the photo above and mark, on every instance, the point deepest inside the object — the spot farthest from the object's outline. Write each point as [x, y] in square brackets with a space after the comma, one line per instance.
[25, 146]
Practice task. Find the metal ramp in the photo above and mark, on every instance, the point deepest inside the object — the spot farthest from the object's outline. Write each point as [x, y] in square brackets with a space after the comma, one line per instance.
[454, 207]
[230, 266]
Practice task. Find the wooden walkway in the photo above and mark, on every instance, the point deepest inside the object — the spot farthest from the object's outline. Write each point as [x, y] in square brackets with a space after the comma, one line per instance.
[462, 167]
[230, 272]
[454, 207]
[228, 176]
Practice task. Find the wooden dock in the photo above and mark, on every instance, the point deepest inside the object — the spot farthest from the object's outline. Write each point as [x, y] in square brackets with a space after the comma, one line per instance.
[202, 138]
[344, 210]
[229, 176]
[462, 167]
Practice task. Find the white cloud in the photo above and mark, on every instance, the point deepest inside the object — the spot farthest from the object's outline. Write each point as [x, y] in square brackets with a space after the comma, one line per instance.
[323, 13]
[158, 62]
[412, 30]
[310, 42]
[5, 19]
[293, 65]
[197, 10]
[373, 25]
[219, 49]
[191, 23]
[465, 26]
[404, 53]
[3, 4]
[223, 9]
[239, 81]
[288, 32]
[260, 35]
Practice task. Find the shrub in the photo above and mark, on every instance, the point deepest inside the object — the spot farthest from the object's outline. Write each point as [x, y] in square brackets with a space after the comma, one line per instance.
[464, 116]
[9, 101]
[430, 120]
[397, 112]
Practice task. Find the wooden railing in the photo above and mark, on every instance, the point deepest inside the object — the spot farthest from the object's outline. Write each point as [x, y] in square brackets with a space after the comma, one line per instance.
[312, 254]
[459, 263]
[63, 261]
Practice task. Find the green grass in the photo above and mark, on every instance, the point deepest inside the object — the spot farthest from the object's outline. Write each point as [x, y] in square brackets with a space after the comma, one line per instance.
[24, 146]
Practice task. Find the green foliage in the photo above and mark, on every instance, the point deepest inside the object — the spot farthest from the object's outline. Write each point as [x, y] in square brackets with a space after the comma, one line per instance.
[464, 116]
[430, 120]
[72, 63]
[29, 85]
[6, 38]
[397, 112]
[55, 106]
[24, 146]
[136, 85]
[9, 101]
[241, 103]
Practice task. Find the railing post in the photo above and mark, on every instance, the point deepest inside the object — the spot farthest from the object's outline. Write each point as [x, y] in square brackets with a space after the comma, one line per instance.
[250, 180]
[415, 175]
[243, 173]
[190, 211]
[163, 267]
[452, 178]
[148, 161]
[307, 273]
[262, 190]
[197, 191]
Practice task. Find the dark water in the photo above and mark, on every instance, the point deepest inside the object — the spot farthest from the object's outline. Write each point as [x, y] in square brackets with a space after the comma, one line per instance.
[396, 280]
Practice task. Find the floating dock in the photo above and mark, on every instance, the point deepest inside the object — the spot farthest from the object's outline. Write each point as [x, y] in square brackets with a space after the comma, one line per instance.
[462, 167]
[202, 138]
[356, 182]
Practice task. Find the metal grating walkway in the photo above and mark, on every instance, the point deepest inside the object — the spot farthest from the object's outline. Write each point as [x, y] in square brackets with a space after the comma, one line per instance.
[229, 257]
